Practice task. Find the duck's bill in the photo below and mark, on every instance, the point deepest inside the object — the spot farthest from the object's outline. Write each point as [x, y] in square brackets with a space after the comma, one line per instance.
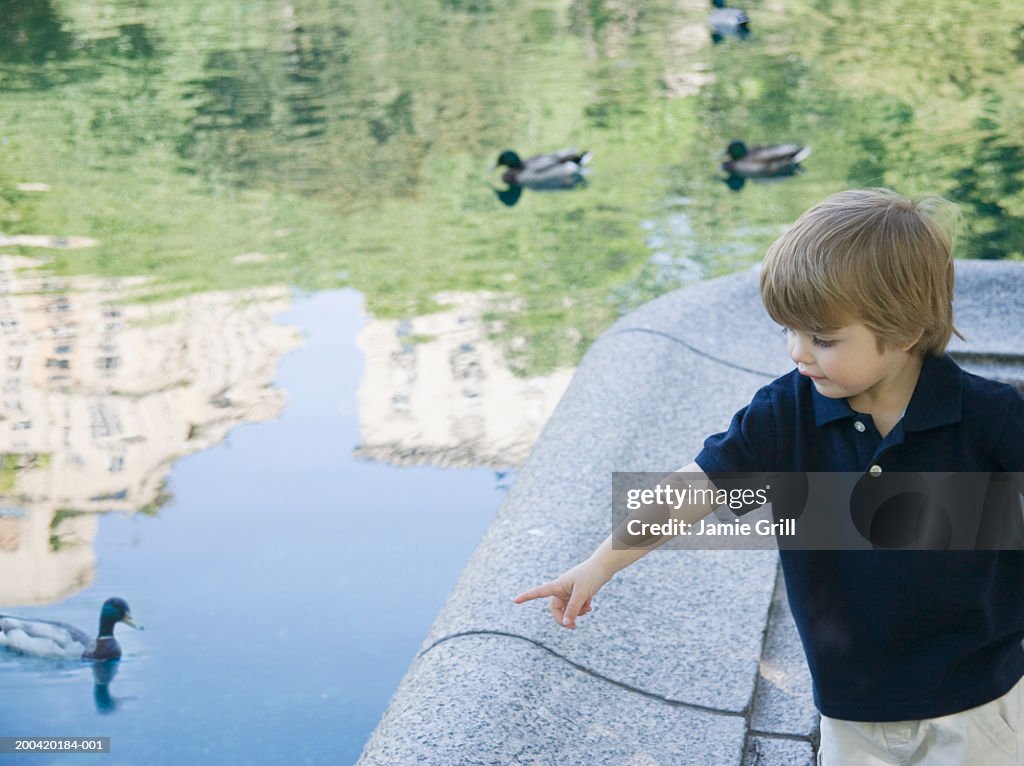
[127, 620]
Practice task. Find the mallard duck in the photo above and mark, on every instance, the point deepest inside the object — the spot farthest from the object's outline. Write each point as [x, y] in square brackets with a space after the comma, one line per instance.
[555, 170]
[727, 22]
[764, 161]
[45, 638]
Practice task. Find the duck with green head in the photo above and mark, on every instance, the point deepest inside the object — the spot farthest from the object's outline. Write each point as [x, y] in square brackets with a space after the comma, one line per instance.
[776, 160]
[555, 170]
[45, 638]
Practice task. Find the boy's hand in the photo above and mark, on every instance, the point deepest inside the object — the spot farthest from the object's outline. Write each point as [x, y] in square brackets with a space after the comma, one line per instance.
[570, 593]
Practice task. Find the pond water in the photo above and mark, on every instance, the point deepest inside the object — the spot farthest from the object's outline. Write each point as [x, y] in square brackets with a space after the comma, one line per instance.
[283, 590]
[272, 338]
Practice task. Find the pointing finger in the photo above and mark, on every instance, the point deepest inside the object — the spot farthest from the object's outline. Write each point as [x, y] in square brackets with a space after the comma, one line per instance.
[541, 591]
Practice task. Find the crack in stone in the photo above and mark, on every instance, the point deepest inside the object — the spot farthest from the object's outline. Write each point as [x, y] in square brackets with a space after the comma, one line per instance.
[684, 344]
[635, 690]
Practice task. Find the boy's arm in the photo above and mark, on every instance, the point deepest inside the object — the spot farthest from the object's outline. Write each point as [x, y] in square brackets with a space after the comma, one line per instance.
[571, 592]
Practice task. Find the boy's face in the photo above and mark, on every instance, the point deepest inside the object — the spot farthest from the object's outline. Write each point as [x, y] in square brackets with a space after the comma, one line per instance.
[845, 363]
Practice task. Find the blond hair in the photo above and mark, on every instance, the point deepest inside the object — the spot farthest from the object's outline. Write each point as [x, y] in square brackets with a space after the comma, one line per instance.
[868, 256]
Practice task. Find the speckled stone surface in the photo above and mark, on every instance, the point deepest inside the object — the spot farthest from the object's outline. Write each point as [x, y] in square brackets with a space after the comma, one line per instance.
[694, 649]
[763, 751]
[450, 710]
[988, 308]
[648, 631]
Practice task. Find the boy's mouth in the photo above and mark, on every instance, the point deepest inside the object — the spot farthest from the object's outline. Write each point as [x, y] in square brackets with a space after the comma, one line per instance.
[812, 377]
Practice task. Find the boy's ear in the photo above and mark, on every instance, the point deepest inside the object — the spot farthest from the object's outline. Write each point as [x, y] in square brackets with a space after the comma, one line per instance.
[914, 342]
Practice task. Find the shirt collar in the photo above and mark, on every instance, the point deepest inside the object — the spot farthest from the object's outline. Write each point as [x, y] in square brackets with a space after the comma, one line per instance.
[827, 409]
[937, 399]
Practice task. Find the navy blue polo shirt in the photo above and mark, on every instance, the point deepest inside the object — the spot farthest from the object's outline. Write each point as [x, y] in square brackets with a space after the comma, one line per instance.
[894, 635]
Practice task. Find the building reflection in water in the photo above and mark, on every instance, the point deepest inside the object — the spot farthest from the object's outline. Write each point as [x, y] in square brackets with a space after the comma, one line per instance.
[100, 394]
[438, 391]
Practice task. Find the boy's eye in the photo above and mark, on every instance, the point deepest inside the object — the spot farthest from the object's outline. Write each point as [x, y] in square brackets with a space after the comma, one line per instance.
[819, 342]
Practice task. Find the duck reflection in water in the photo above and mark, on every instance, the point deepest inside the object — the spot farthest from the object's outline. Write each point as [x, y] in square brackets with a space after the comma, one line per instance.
[762, 162]
[554, 171]
[103, 673]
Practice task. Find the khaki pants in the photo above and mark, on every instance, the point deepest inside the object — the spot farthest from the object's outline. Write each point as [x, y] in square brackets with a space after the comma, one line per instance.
[988, 735]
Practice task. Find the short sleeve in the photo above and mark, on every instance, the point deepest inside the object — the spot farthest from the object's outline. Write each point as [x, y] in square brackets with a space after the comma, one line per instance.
[1009, 450]
[748, 445]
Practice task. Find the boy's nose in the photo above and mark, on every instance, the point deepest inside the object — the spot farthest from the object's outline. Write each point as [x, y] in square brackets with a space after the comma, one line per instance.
[798, 350]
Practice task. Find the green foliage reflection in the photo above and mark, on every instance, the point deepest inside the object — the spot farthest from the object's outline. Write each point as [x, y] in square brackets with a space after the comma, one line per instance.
[349, 142]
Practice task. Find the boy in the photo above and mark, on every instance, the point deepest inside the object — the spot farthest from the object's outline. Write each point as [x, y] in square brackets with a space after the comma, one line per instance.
[915, 656]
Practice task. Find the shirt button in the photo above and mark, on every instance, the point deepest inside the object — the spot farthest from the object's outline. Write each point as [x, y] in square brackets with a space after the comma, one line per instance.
[858, 425]
[875, 470]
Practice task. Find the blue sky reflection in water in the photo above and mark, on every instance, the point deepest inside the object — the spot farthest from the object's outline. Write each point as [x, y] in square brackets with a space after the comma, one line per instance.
[283, 590]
